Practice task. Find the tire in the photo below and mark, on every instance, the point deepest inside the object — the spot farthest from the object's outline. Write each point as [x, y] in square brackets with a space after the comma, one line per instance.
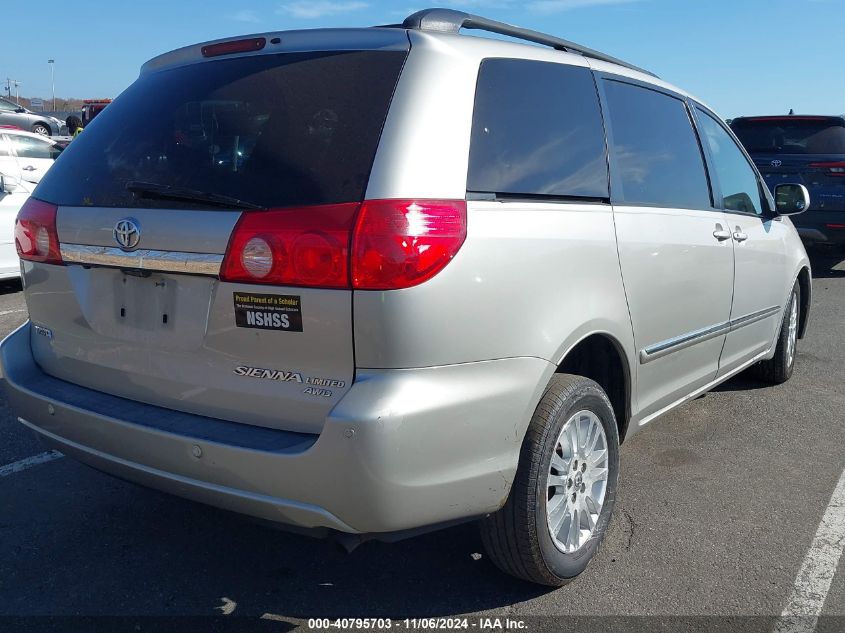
[40, 128]
[518, 538]
[778, 369]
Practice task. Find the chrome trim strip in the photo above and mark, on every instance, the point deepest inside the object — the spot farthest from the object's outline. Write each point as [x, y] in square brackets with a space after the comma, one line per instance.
[658, 350]
[748, 319]
[161, 261]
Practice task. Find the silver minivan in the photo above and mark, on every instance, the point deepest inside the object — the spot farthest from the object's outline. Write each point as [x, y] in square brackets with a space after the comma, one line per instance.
[371, 282]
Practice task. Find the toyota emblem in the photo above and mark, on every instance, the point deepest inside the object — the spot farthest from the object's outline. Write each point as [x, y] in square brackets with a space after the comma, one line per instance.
[127, 233]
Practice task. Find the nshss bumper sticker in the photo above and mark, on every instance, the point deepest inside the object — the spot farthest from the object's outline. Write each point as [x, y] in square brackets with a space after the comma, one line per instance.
[268, 312]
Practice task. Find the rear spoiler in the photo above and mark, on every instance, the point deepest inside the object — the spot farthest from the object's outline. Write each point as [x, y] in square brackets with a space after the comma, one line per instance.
[290, 42]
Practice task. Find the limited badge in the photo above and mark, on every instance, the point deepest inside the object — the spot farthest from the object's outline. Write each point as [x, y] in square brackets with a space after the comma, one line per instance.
[268, 312]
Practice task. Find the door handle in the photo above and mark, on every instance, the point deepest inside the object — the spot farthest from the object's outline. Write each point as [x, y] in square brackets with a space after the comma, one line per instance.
[29, 168]
[739, 236]
[721, 234]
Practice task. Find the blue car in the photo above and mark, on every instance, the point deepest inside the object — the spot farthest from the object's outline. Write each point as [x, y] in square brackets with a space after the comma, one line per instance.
[808, 150]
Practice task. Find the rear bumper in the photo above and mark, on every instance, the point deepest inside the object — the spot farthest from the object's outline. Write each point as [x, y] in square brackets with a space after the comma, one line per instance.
[403, 449]
[825, 227]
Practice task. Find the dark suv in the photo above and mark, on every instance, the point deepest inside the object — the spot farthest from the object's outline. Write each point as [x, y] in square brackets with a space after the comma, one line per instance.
[805, 149]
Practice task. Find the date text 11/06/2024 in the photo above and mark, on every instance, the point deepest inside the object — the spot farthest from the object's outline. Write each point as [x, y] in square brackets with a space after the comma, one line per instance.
[479, 624]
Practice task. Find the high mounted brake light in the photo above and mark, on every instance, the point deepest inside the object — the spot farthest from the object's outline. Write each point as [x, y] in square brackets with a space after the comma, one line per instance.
[236, 46]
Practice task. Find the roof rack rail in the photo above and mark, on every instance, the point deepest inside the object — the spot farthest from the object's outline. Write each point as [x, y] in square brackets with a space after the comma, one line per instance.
[452, 21]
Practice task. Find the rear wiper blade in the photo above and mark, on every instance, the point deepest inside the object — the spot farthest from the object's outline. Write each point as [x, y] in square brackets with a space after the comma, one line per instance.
[170, 192]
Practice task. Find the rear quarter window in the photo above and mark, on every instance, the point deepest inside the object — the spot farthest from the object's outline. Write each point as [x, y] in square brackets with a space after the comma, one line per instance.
[272, 130]
[537, 130]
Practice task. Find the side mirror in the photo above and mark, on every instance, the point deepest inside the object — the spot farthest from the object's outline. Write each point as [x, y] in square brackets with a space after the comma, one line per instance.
[20, 110]
[791, 199]
[7, 184]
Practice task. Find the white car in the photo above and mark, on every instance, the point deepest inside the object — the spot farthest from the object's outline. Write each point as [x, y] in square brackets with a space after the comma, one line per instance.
[28, 153]
[14, 191]
[24, 158]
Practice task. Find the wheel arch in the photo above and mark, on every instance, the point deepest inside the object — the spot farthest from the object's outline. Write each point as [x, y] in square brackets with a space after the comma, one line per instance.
[601, 357]
[806, 285]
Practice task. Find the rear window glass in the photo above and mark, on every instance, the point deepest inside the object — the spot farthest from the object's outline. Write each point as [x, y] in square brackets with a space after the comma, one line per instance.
[537, 129]
[271, 130]
[657, 158]
[791, 136]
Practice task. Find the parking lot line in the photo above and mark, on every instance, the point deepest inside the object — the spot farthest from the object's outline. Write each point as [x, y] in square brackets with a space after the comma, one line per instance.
[29, 462]
[816, 574]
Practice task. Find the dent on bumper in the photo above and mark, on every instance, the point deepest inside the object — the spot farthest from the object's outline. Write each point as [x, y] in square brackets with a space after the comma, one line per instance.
[403, 449]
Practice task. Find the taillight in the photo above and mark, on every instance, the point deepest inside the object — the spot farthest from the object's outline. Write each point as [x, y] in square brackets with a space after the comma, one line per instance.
[36, 238]
[306, 246]
[836, 168]
[394, 244]
[402, 243]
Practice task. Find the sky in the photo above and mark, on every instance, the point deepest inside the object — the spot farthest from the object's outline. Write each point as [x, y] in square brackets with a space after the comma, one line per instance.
[741, 57]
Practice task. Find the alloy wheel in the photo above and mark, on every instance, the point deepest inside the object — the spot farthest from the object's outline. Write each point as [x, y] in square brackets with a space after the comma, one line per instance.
[792, 334]
[577, 481]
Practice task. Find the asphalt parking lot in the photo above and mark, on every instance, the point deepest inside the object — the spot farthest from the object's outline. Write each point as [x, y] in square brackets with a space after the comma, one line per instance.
[719, 504]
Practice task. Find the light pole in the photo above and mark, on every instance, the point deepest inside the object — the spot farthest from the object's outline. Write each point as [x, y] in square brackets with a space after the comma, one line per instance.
[52, 63]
